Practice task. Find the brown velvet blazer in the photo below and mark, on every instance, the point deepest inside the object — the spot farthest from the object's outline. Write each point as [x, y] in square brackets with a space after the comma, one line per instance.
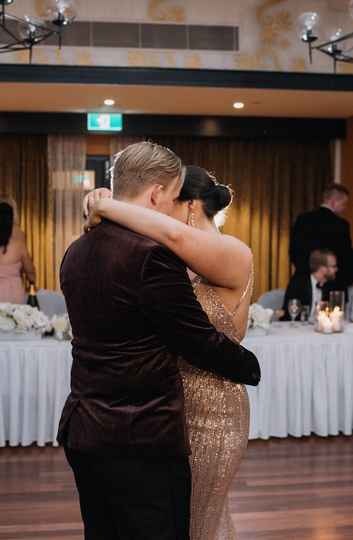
[133, 312]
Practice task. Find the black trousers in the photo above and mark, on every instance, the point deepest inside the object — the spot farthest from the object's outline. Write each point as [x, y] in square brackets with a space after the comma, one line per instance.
[132, 498]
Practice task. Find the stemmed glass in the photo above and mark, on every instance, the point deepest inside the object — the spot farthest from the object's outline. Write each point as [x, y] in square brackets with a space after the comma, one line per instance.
[305, 314]
[294, 306]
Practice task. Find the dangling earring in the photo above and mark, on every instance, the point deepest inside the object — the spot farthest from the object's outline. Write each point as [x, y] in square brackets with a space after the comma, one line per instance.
[192, 220]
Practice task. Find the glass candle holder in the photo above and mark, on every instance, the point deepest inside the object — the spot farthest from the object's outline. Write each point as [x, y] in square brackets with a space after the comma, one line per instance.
[323, 323]
[337, 319]
[327, 320]
[337, 299]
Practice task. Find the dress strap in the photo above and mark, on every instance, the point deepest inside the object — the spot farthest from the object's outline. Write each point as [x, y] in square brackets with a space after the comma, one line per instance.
[249, 288]
[217, 298]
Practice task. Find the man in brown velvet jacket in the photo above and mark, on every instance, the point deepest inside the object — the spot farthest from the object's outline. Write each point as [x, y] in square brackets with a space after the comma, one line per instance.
[133, 312]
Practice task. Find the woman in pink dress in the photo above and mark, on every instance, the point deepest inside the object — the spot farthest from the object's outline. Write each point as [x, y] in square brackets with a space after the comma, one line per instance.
[15, 260]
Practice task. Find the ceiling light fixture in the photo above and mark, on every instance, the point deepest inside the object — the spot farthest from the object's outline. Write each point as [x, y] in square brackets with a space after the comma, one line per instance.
[18, 34]
[338, 45]
[238, 105]
[109, 102]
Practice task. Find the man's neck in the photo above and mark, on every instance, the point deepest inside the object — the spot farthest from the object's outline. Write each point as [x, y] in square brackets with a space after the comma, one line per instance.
[138, 201]
[326, 205]
[319, 278]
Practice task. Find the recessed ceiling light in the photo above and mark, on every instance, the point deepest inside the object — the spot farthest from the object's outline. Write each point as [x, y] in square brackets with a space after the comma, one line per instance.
[109, 102]
[238, 105]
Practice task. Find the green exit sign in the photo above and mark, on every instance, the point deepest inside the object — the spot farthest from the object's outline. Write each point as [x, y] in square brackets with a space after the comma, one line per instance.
[104, 122]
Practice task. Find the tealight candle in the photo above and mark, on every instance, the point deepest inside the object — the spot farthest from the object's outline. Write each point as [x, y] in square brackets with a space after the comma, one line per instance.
[327, 326]
[336, 317]
[328, 321]
[324, 323]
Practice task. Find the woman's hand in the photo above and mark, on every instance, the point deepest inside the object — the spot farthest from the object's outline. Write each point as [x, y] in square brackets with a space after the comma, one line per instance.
[92, 197]
[93, 219]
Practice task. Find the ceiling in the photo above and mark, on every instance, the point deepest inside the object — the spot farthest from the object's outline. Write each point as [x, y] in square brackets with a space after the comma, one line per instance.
[173, 100]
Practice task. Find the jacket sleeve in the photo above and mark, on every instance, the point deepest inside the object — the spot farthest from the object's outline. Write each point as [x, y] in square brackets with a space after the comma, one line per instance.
[168, 302]
[299, 247]
[347, 255]
[292, 243]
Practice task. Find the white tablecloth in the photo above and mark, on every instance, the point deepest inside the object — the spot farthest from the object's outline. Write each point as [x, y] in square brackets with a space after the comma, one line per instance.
[307, 382]
[34, 383]
[306, 387]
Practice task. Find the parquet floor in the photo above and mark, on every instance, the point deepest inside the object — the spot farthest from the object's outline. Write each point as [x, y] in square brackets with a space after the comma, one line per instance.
[286, 490]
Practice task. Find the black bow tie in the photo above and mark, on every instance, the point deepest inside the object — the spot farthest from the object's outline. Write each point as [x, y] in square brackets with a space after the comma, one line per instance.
[318, 286]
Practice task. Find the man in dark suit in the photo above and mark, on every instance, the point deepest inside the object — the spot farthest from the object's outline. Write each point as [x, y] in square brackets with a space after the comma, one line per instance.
[314, 286]
[324, 228]
[133, 313]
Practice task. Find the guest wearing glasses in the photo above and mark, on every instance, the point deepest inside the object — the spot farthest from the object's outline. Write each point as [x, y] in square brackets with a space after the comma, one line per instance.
[314, 286]
[15, 260]
[324, 228]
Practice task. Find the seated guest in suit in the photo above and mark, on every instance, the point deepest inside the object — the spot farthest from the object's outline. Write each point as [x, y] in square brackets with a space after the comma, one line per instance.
[314, 286]
[324, 228]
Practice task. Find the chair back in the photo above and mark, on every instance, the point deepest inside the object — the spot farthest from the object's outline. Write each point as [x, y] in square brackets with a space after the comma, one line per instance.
[272, 299]
[51, 303]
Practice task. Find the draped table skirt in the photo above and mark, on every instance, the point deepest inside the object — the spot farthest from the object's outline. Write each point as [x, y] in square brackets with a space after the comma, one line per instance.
[307, 382]
[34, 384]
[306, 387]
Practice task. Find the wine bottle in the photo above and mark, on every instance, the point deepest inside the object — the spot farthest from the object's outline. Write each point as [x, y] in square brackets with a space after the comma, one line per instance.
[32, 297]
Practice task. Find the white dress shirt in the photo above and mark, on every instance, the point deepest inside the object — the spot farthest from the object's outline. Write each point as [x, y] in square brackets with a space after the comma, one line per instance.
[316, 296]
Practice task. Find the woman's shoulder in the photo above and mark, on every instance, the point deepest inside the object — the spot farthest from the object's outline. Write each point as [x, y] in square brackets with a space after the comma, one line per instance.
[235, 242]
[235, 248]
[18, 235]
[18, 231]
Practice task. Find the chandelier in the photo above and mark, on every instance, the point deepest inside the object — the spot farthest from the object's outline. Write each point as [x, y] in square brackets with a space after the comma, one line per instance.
[18, 34]
[338, 46]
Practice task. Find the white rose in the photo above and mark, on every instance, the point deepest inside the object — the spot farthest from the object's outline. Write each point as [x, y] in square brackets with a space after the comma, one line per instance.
[40, 321]
[23, 317]
[270, 313]
[6, 309]
[256, 310]
[259, 316]
[263, 317]
[6, 323]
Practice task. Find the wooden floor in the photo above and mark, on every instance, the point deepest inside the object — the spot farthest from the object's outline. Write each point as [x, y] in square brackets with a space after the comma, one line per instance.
[286, 489]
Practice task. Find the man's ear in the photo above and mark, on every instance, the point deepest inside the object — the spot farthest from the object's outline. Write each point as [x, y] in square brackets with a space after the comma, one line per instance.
[155, 194]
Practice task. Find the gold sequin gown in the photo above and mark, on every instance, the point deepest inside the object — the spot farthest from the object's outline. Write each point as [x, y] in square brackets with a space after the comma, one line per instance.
[217, 413]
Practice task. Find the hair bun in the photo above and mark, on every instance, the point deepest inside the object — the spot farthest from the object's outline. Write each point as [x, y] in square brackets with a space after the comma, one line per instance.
[200, 185]
[222, 197]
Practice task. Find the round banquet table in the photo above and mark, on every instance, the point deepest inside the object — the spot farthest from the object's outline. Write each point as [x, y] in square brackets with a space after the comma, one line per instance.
[306, 386]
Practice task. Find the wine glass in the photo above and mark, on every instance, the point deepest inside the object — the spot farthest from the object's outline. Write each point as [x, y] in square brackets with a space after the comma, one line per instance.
[305, 314]
[294, 306]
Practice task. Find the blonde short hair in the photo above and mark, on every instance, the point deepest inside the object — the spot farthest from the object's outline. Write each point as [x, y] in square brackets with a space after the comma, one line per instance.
[142, 164]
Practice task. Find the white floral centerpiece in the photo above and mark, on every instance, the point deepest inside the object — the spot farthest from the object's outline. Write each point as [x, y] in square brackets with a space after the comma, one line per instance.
[24, 320]
[259, 319]
[20, 318]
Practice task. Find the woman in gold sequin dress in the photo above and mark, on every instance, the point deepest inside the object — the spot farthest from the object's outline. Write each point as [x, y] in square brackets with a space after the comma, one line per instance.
[217, 410]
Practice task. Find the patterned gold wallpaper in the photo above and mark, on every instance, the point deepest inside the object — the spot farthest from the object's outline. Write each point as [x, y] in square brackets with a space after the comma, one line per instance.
[274, 28]
[267, 29]
[166, 11]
